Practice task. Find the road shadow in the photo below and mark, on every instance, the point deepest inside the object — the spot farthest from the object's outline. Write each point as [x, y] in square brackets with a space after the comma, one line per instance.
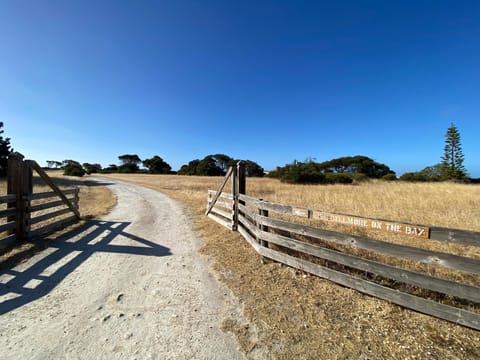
[28, 282]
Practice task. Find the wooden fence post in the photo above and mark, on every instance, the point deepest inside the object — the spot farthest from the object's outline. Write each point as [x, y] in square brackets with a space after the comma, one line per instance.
[263, 212]
[19, 183]
[235, 198]
[28, 190]
[241, 179]
[209, 200]
[77, 199]
[238, 187]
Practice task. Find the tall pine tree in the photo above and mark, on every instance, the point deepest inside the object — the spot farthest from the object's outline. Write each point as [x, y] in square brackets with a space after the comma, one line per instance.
[5, 150]
[452, 160]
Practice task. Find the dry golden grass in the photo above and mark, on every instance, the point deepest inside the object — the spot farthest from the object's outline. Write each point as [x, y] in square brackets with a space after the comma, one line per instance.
[292, 315]
[94, 201]
[441, 204]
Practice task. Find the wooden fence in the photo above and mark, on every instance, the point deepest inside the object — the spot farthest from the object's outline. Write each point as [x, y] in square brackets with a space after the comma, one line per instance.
[272, 230]
[29, 214]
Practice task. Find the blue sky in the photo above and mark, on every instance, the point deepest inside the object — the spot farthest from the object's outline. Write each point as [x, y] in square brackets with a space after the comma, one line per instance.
[269, 81]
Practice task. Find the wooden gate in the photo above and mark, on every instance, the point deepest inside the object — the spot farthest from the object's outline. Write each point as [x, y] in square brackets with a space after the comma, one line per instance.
[20, 214]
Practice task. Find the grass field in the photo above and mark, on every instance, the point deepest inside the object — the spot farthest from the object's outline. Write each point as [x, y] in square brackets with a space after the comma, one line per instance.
[293, 315]
[442, 204]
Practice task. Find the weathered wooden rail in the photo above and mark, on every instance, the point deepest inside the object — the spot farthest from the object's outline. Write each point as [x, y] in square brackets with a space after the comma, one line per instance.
[40, 218]
[10, 224]
[312, 249]
[29, 214]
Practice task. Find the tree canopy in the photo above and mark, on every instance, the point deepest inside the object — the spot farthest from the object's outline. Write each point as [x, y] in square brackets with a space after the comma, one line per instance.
[112, 168]
[92, 168]
[217, 165]
[190, 168]
[5, 150]
[208, 167]
[130, 159]
[253, 169]
[53, 164]
[156, 165]
[340, 170]
[452, 167]
[73, 168]
[129, 163]
[69, 161]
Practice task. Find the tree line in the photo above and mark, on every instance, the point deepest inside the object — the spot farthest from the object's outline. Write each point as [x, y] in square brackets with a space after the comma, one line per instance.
[129, 164]
[217, 165]
[210, 165]
[343, 170]
[346, 170]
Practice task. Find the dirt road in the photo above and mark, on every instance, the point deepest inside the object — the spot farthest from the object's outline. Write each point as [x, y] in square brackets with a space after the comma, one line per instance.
[129, 286]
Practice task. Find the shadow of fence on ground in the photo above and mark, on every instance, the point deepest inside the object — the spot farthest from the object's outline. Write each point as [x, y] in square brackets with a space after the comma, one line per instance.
[32, 280]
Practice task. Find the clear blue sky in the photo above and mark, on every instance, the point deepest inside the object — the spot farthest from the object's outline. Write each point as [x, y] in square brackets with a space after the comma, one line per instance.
[269, 81]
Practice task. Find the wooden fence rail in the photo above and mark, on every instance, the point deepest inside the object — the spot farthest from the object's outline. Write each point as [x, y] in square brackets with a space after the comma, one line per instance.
[44, 211]
[7, 219]
[303, 247]
[222, 211]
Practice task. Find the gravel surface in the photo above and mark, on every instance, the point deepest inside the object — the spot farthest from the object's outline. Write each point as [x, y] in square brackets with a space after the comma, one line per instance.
[129, 286]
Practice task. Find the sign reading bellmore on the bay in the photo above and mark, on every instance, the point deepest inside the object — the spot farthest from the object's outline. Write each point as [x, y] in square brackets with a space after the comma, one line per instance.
[367, 223]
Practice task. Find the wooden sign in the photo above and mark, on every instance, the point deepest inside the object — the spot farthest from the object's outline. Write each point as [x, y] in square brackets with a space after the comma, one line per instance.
[374, 224]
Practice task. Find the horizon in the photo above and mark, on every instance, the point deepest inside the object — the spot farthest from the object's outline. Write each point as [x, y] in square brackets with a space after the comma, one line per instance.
[142, 168]
[269, 81]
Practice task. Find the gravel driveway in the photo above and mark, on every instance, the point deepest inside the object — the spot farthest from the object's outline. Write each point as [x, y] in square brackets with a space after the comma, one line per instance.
[130, 286]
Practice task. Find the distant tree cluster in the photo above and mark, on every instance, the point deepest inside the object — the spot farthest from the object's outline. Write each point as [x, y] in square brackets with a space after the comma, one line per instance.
[129, 164]
[92, 168]
[156, 165]
[52, 164]
[344, 170]
[430, 173]
[73, 168]
[217, 165]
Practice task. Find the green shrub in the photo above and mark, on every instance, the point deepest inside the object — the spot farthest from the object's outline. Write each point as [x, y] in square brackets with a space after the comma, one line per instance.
[389, 177]
[73, 169]
[338, 178]
[292, 174]
[128, 168]
[92, 168]
[359, 177]
[414, 177]
[337, 171]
